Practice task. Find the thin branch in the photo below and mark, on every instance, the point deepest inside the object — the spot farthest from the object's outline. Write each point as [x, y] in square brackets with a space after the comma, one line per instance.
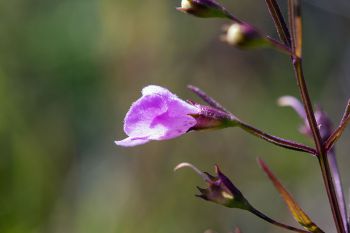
[252, 130]
[231, 16]
[277, 140]
[279, 21]
[279, 46]
[268, 219]
[347, 111]
[340, 129]
[337, 133]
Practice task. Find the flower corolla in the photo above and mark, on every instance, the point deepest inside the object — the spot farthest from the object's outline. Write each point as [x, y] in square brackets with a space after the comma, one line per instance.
[157, 115]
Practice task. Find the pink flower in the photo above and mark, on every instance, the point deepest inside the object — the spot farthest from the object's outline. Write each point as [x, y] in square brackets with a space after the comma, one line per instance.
[157, 115]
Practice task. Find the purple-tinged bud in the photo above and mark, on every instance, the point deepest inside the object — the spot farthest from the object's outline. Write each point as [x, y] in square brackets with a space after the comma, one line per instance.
[203, 8]
[324, 123]
[244, 35]
[220, 189]
[210, 117]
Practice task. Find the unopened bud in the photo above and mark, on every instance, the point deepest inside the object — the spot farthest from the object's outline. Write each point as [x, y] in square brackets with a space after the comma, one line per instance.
[220, 189]
[203, 8]
[244, 36]
[210, 117]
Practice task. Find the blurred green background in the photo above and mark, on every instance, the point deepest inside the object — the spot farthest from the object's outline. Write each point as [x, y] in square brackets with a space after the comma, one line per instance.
[69, 71]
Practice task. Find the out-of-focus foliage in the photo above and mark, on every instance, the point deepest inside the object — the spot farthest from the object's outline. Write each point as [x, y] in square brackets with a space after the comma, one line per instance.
[70, 69]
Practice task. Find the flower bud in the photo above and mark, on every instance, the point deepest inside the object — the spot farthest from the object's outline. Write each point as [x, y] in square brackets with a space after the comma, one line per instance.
[203, 8]
[244, 36]
[209, 118]
[220, 189]
[324, 123]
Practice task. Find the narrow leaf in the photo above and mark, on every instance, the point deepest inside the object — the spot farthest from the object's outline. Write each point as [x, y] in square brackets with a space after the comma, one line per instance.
[205, 97]
[298, 214]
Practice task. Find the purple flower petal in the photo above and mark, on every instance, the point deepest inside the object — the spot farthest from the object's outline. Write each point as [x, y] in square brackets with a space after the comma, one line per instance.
[294, 103]
[127, 142]
[156, 90]
[157, 115]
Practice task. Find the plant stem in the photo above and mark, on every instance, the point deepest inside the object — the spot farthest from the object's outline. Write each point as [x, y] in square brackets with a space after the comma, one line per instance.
[279, 46]
[277, 140]
[295, 20]
[338, 185]
[268, 219]
[322, 153]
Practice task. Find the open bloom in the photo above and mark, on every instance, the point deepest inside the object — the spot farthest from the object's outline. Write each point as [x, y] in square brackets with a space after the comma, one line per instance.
[157, 115]
[161, 115]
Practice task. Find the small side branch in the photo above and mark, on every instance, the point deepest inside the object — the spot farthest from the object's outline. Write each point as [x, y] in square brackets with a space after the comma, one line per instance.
[274, 222]
[277, 140]
[340, 129]
[279, 21]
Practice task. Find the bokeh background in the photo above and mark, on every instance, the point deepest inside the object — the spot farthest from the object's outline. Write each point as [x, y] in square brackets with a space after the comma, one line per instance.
[69, 71]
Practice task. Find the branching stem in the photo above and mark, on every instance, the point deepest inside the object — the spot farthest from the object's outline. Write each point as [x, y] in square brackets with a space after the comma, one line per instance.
[322, 153]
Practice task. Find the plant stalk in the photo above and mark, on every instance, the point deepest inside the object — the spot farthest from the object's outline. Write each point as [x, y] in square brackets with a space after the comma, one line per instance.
[277, 140]
[322, 153]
